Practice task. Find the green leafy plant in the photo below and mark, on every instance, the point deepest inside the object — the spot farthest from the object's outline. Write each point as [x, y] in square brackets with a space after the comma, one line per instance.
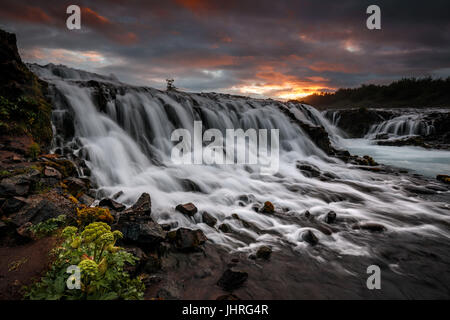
[101, 264]
[48, 227]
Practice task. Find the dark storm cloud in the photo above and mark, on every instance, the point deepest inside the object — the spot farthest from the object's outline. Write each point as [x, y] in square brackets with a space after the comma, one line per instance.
[269, 48]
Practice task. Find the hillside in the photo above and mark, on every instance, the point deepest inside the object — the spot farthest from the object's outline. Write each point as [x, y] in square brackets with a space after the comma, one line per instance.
[405, 93]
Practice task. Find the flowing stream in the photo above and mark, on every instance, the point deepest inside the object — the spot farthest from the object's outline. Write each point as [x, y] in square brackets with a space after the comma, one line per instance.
[124, 133]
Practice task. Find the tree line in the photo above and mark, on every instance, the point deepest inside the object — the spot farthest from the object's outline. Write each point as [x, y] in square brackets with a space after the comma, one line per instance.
[407, 92]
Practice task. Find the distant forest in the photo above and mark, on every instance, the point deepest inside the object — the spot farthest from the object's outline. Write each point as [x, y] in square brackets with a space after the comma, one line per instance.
[411, 92]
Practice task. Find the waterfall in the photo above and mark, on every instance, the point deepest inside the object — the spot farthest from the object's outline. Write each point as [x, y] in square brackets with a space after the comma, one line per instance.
[403, 125]
[124, 134]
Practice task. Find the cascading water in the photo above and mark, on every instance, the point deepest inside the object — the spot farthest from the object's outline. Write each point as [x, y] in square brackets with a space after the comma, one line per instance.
[404, 125]
[124, 134]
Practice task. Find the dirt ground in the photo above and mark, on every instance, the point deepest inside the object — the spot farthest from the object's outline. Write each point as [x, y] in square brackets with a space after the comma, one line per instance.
[21, 265]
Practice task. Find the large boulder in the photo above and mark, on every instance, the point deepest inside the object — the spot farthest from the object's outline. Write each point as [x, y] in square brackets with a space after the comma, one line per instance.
[35, 212]
[112, 204]
[19, 185]
[142, 234]
[137, 225]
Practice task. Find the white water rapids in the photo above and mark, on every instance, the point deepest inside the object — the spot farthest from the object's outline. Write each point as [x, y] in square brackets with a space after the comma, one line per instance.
[128, 146]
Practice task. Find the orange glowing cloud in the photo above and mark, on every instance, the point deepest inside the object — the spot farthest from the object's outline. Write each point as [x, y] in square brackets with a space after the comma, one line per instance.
[107, 27]
[26, 14]
[276, 84]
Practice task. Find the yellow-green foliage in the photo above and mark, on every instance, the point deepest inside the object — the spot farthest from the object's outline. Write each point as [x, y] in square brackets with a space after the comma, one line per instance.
[34, 150]
[88, 215]
[101, 265]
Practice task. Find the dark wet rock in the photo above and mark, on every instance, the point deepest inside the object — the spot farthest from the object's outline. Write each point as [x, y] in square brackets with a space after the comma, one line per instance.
[443, 178]
[419, 190]
[225, 228]
[35, 212]
[330, 217]
[137, 225]
[152, 264]
[187, 239]
[324, 229]
[264, 252]
[75, 186]
[13, 204]
[141, 234]
[166, 226]
[112, 204]
[202, 274]
[209, 219]
[19, 185]
[357, 122]
[310, 237]
[230, 297]
[117, 195]
[245, 199]
[364, 161]
[308, 170]
[232, 279]
[188, 209]
[307, 214]
[142, 207]
[86, 199]
[51, 172]
[436, 188]
[189, 185]
[268, 207]
[370, 161]
[382, 136]
[369, 226]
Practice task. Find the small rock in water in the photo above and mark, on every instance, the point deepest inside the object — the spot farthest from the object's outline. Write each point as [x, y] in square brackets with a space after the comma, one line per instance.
[232, 279]
[225, 227]
[209, 219]
[444, 178]
[117, 195]
[188, 208]
[331, 217]
[268, 207]
[264, 252]
[370, 226]
[324, 229]
[310, 237]
[307, 214]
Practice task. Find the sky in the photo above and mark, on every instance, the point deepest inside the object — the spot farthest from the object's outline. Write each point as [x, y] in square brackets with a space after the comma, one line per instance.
[277, 49]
